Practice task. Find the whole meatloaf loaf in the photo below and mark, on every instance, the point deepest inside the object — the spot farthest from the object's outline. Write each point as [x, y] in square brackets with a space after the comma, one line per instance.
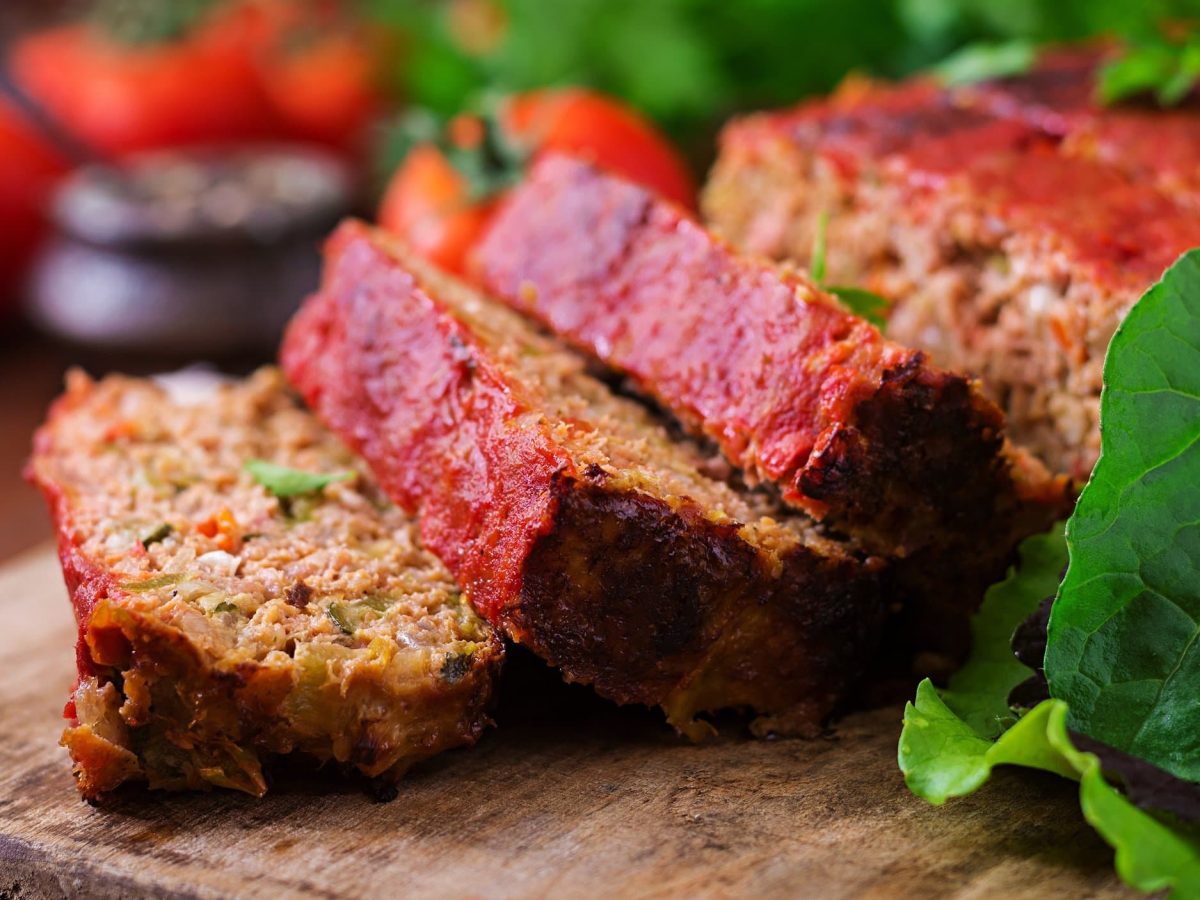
[1012, 223]
[570, 516]
[244, 589]
[854, 429]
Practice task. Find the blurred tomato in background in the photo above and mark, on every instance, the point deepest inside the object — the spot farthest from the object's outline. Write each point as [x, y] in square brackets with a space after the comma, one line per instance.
[446, 187]
[141, 76]
[117, 97]
[130, 76]
[29, 168]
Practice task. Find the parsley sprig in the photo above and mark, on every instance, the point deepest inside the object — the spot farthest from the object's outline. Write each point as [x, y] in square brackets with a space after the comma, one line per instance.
[285, 482]
[1165, 69]
[861, 302]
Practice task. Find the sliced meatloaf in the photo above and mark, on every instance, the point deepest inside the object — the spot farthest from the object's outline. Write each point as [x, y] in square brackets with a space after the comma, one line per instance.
[1012, 224]
[572, 519]
[1150, 145]
[854, 429]
[230, 611]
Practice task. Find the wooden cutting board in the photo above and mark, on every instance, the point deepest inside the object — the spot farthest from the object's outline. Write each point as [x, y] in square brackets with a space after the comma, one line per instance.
[569, 797]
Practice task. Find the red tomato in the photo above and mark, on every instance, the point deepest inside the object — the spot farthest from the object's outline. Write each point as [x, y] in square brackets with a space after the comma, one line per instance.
[428, 202]
[605, 132]
[324, 88]
[119, 99]
[29, 168]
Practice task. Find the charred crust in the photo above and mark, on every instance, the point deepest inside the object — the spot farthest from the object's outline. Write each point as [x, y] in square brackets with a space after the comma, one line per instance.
[906, 370]
[625, 591]
[922, 460]
[659, 605]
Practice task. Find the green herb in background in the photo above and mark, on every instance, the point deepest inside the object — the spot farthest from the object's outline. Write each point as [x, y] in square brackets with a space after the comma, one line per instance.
[691, 63]
[816, 266]
[980, 62]
[863, 303]
[1168, 71]
[142, 22]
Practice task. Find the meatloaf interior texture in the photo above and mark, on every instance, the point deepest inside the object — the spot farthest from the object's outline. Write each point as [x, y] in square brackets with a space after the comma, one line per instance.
[220, 624]
[854, 429]
[1011, 223]
[572, 518]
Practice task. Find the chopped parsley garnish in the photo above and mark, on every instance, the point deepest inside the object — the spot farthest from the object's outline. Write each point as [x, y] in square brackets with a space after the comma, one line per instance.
[861, 302]
[284, 482]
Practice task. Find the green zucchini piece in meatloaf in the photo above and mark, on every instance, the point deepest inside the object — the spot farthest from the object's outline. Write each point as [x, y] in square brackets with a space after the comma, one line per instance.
[576, 522]
[224, 619]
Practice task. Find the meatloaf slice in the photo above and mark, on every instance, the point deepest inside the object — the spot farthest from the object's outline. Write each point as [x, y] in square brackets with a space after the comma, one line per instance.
[224, 620]
[572, 519]
[1012, 224]
[1147, 143]
[856, 430]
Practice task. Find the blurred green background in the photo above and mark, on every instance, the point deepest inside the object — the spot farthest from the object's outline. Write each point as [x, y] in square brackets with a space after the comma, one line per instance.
[690, 63]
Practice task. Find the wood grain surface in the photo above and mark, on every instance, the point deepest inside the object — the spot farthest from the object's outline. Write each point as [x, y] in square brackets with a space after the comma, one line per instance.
[569, 797]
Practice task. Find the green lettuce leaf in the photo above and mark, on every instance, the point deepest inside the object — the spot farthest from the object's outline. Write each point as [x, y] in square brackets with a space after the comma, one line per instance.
[1122, 647]
[942, 756]
[1121, 657]
[978, 692]
[948, 735]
